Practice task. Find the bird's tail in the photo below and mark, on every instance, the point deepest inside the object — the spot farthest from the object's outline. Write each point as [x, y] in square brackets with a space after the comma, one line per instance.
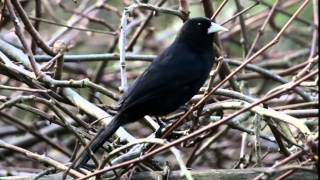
[102, 136]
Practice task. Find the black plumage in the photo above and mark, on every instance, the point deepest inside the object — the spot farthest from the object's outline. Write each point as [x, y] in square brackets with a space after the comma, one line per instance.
[170, 80]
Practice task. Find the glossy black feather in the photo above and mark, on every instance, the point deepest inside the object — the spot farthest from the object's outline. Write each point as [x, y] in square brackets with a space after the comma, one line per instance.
[170, 80]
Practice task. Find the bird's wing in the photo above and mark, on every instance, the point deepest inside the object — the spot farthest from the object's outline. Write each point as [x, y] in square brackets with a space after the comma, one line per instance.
[169, 71]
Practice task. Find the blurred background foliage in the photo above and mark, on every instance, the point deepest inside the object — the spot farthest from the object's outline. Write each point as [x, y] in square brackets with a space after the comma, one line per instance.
[158, 34]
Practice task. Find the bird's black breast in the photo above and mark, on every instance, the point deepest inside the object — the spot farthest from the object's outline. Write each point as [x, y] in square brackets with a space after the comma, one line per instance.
[169, 82]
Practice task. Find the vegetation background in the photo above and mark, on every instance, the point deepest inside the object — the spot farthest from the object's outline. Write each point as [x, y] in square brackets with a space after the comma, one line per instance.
[64, 64]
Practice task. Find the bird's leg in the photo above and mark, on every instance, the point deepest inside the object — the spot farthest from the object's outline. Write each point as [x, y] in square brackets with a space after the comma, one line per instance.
[162, 126]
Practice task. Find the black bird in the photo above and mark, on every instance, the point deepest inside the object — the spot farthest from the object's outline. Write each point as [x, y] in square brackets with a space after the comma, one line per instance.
[169, 82]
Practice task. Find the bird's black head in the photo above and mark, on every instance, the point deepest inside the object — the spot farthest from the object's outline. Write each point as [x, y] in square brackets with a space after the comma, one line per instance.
[198, 32]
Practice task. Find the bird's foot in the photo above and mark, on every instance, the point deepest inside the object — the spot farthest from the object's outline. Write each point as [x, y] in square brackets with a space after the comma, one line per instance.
[162, 126]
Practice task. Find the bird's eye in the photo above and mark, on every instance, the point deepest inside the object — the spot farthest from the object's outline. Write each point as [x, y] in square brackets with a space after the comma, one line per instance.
[199, 24]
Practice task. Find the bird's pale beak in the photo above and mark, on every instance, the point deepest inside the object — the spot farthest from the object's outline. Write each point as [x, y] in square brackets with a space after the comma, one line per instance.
[216, 28]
